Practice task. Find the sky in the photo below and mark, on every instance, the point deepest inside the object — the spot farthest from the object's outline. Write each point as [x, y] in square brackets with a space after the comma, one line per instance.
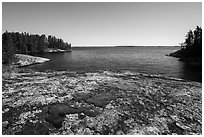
[105, 23]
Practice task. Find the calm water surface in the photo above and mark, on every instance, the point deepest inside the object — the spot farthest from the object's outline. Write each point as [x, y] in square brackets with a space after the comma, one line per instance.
[150, 60]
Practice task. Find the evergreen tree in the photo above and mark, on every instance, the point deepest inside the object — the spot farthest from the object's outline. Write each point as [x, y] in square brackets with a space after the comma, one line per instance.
[193, 43]
[189, 39]
[27, 43]
[7, 48]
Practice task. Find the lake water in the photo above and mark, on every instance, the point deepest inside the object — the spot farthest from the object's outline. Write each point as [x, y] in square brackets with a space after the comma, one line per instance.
[150, 60]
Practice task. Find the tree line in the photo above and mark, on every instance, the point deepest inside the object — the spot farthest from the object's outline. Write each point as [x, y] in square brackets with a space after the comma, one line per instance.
[25, 43]
[192, 46]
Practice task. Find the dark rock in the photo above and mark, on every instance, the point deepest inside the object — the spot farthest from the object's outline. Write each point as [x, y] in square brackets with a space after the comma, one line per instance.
[55, 121]
[61, 110]
[101, 100]
[81, 96]
[174, 128]
[57, 113]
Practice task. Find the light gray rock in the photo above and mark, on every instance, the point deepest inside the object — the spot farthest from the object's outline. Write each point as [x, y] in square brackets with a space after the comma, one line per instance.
[26, 60]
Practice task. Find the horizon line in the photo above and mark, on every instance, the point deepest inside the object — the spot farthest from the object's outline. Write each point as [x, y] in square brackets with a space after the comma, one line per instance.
[125, 45]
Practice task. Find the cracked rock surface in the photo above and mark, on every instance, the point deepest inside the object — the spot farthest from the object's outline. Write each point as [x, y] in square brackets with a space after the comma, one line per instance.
[107, 103]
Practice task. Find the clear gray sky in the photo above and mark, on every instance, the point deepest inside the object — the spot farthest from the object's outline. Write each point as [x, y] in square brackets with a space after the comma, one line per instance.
[105, 23]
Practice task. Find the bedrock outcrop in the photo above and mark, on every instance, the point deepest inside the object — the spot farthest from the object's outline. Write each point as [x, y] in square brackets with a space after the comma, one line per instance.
[108, 103]
[22, 60]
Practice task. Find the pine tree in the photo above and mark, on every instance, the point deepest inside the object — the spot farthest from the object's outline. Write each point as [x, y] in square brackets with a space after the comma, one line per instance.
[7, 48]
[26, 43]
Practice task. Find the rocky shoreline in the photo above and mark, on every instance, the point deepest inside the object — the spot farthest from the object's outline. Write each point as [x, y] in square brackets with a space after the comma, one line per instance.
[195, 61]
[22, 60]
[104, 103]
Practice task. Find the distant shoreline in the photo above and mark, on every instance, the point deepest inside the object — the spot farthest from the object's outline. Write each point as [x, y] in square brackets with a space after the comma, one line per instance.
[116, 46]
